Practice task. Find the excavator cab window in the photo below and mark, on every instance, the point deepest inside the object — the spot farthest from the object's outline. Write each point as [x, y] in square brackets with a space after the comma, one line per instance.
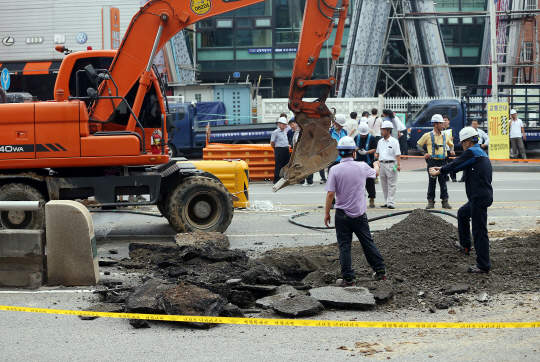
[150, 115]
[84, 81]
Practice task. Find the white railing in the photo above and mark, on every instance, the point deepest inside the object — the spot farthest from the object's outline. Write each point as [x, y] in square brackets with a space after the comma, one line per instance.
[19, 205]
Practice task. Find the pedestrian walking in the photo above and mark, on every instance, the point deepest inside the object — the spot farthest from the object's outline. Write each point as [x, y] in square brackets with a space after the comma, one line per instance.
[280, 144]
[479, 192]
[346, 183]
[351, 126]
[517, 136]
[365, 152]
[390, 163]
[375, 123]
[449, 130]
[435, 142]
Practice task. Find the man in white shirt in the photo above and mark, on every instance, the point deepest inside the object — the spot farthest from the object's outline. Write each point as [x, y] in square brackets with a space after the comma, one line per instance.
[351, 126]
[402, 135]
[483, 138]
[375, 124]
[517, 135]
[388, 154]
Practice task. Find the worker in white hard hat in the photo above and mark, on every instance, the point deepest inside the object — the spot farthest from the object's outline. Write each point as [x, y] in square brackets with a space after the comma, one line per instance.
[436, 142]
[338, 132]
[478, 176]
[366, 145]
[280, 144]
[346, 183]
[517, 136]
[388, 154]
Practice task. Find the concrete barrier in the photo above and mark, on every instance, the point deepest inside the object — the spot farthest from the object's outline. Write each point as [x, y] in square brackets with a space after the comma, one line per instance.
[22, 254]
[71, 244]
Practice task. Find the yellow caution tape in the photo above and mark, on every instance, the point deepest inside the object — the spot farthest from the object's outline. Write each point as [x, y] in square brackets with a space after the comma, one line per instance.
[275, 322]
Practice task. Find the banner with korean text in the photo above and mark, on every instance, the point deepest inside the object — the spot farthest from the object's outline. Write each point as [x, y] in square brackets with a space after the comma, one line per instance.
[499, 130]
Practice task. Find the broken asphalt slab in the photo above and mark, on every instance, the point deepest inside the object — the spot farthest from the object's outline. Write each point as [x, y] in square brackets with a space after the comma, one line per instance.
[349, 297]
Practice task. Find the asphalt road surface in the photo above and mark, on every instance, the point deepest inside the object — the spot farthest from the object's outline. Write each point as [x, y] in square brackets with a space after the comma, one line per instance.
[40, 337]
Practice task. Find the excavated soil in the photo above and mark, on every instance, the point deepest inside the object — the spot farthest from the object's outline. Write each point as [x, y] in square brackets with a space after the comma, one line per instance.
[424, 269]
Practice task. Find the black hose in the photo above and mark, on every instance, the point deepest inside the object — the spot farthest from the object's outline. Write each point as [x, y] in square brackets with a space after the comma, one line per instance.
[369, 220]
[129, 212]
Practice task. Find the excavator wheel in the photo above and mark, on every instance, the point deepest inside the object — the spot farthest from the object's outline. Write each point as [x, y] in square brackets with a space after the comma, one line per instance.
[29, 220]
[163, 209]
[199, 204]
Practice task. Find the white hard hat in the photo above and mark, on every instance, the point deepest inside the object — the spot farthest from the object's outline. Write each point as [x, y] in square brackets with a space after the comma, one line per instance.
[513, 111]
[340, 119]
[387, 124]
[346, 143]
[283, 120]
[363, 128]
[363, 119]
[437, 118]
[466, 133]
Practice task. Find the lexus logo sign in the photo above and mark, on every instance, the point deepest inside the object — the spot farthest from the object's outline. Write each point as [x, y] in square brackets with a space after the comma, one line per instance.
[36, 40]
[7, 41]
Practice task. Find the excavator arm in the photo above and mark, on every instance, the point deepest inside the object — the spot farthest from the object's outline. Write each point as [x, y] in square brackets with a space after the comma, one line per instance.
[315, 149]
[159, 20]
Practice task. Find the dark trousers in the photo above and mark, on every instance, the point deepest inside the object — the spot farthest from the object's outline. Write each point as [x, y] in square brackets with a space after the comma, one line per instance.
[403, 143]
[475, 209]
[433, 181]
[281, 159]
[345, 227]
[370, 187]
[449, 160]
[309, 179]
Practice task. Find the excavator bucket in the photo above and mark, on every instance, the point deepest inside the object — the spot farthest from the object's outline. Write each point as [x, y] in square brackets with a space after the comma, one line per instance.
[315, 150]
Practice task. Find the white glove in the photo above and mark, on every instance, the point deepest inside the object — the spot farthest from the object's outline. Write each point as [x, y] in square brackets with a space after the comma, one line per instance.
[362, 152]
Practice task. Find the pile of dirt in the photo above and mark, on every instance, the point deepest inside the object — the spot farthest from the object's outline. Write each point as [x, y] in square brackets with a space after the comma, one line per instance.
[425, 269]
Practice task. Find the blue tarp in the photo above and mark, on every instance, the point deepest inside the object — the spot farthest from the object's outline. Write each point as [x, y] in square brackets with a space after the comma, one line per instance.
[211, 112]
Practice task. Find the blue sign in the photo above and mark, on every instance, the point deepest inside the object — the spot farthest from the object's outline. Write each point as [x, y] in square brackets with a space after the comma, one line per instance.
[5, 79]
[286, 50]
[236, 74]
[81, 38]
[263, 50]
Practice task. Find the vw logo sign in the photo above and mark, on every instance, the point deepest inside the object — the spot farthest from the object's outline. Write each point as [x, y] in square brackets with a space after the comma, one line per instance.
[34, 40]
[8, 40]
[81, 38]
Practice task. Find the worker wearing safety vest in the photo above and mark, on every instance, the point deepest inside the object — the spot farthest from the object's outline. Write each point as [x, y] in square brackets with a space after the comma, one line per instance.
[436, 142]
[366, 145]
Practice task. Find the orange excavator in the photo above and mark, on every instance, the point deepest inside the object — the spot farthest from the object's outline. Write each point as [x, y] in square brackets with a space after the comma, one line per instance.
[94, 139]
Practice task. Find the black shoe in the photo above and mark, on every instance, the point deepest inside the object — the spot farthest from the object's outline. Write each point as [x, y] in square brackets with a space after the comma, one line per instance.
[345, 282]
[391, 207]
[380, 275]
[384, 205]
[475, 269]
[454, 180]
[461, 248]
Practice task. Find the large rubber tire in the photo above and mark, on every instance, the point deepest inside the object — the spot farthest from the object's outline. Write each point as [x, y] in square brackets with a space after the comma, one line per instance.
[199, 204]
[173, 152]
[29, 220]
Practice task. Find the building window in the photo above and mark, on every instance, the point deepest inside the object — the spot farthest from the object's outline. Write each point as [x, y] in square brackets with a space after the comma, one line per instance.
[224, 24]
[260, 9]
[289, 20]
[262, 22]
[255, 38]
[243, 23]
[526, 51]
[198, 97]
[531, 5]
[205, 24]
[215, 38]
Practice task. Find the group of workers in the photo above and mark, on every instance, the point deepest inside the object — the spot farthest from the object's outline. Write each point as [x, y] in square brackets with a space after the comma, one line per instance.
[379, 156]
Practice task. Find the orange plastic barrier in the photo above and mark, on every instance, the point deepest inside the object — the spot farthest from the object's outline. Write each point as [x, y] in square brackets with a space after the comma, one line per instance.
[259, 157]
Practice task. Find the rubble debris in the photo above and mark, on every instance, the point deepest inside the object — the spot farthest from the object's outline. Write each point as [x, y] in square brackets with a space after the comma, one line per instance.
[107, 262]
[233, 311]
[242, 298]
[483, 297]
[268, 302]
[145, 298]
[139, 323]
[286, 289]
[382, 295]
[190, 300]
[300, 306]
[456, 289]
[349, 297]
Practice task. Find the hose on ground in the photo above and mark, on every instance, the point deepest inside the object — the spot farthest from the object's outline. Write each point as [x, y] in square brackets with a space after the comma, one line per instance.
[294, 216]
[129, 212]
